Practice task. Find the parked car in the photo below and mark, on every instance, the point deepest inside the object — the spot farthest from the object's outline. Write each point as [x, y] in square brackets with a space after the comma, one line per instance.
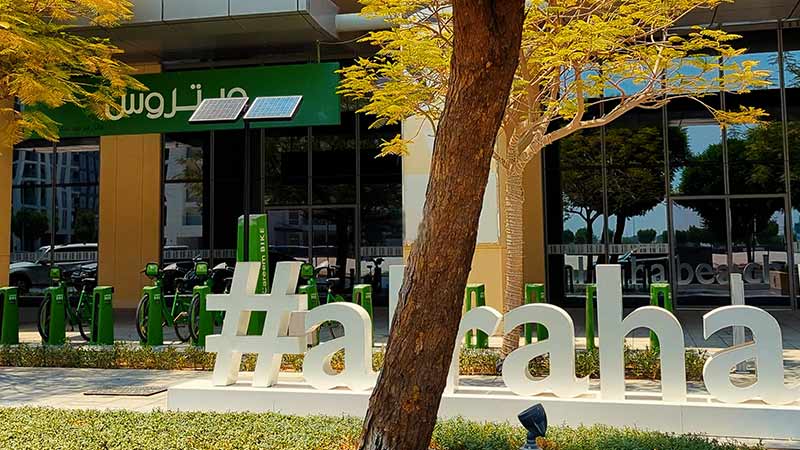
[33, 277]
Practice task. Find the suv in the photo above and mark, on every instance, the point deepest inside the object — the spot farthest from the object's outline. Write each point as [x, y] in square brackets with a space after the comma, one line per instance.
[33, 277]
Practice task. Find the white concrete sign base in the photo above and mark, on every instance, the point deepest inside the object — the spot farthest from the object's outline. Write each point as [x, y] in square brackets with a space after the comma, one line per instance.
[699, 414]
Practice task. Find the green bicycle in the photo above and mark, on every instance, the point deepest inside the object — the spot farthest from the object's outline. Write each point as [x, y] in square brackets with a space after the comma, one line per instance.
[78, 308]
[218, 282]
[175, 315]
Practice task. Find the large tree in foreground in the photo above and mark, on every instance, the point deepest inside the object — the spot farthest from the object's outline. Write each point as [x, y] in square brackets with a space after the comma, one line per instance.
[42, 61]
[486, 39]
[582, 65]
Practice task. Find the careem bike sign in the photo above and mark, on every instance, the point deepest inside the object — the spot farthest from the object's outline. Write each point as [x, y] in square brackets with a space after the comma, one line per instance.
[358, 375]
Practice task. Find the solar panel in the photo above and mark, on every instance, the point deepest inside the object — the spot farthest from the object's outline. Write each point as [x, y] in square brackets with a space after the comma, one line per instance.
[219, 110]
[274, 108]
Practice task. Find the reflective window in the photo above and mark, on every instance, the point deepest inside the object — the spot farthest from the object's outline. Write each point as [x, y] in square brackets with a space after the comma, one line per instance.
[697, 166]
[381, 208]
[333, 252]
[184, 196]
[701, 256]
[71, 211]
[286, 166]
[289, 233]
[759, 250]
[334, 162]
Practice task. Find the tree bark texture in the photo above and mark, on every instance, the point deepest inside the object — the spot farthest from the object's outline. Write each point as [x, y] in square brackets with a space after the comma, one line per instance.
[404, 404]
[514, 234]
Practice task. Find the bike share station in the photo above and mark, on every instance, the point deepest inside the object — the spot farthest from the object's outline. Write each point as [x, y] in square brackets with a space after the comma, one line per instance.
[90, 312]
[93, 314]
[191, 311]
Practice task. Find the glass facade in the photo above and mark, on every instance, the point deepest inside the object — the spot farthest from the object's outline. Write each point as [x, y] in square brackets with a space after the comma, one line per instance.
[329, 198]
[673, 197]
[77, 175]
[55, 198]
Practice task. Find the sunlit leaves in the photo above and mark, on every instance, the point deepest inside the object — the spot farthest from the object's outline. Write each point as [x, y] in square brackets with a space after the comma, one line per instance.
[576, 55]
[42, 61]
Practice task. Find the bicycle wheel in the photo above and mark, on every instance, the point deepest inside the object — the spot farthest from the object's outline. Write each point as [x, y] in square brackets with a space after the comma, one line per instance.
[83, 314]
[181, 326]
[194, 317]
[141, 318]
[181, 321]
[43, 324]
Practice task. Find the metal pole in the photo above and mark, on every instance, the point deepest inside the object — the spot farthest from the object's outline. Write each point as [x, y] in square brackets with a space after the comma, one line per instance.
[53, 196]
[787, 216]
[162, 203]
[211, 193]
[246, 224]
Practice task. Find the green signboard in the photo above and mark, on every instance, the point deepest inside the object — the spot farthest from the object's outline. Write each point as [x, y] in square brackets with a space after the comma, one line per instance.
[173, 96]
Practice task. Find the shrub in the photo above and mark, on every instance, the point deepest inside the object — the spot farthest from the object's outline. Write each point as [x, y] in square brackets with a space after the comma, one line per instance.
[639, 364]
[44, 428]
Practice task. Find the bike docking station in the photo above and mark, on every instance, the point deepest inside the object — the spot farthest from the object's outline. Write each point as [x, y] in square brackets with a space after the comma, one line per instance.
[57, 296]
[205, 324]
[155, 300]
[252, 242]
[767, 409]
[9, 316]
[102, 324]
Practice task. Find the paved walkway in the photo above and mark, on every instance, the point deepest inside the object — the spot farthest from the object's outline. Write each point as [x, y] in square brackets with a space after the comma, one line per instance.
[64, 388]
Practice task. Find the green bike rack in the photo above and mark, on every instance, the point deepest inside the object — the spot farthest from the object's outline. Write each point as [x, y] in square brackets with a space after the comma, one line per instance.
[9, 322]
[155, 332]
[206, 320]
[591, 324]
[659, 290]
[258, 252]
[362, 296]
[312, 294]
[102, 316]
[475, 296]
[57, 331]
[534, 293]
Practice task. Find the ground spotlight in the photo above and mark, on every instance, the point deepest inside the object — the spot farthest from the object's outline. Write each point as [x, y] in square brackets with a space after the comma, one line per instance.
[534, 419]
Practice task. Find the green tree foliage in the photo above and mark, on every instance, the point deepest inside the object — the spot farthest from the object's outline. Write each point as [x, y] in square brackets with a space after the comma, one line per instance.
[44, 62]
[755, 154]
[635, 171]
[646, 236]
[29, 225]
[84, 226]
[583, 64]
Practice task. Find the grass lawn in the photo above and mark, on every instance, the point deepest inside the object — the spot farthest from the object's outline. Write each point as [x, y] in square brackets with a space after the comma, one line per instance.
[43, 428]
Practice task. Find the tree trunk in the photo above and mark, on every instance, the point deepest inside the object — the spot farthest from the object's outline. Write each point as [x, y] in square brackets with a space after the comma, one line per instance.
[513, 283]
[404, 404]
[619, 230]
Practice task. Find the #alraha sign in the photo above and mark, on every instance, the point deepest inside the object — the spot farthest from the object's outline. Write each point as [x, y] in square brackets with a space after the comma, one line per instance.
[358, 375]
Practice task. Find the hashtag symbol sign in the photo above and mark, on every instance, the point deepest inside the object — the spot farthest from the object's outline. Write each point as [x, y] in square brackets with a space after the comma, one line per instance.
[274, 341]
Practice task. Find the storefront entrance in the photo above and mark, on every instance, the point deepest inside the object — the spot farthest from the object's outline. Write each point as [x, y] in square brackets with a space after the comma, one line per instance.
[329, 199]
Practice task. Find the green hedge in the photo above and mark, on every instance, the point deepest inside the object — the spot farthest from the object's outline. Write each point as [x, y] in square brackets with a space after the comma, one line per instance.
[639, 364]
[42, 428]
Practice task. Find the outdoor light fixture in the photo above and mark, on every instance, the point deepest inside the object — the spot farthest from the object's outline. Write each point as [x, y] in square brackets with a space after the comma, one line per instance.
[534, 419]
